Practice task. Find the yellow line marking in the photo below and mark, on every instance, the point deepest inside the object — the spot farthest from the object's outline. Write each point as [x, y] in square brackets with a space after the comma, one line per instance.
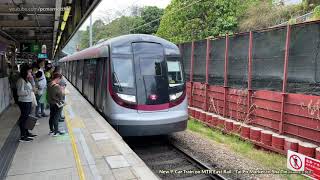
[74, 147]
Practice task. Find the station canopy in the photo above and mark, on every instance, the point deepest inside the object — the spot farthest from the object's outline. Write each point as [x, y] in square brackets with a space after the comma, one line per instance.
[34, 23]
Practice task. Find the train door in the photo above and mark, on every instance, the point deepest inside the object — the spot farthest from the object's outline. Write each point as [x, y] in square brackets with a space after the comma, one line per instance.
[85, 82]
[80, 75]
[66, 70]
[99, 90]
[70, 71]
[73, 74]
[151, 76]
[92, 78]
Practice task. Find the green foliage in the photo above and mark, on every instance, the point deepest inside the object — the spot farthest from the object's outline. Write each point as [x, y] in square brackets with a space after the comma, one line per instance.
[292, 21]
[149, 21]
[263, 15]
[124, 25]
[119, 26]
[316, 13]
[84, 39]
[186, 20]
[245, 149]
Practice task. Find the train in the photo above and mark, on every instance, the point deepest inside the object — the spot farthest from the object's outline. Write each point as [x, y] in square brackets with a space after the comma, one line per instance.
[136, 82]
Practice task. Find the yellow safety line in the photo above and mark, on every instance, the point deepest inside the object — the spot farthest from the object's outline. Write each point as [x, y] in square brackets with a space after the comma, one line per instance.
[74, 148]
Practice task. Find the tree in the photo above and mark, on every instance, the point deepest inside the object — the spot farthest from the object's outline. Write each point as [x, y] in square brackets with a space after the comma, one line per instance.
[137, 20]
[119, 26]
[84, 39]
[186, 20]
[316, 13]
[149, 21]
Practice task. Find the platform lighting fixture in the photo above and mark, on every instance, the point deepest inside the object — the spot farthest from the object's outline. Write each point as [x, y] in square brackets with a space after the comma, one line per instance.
[63, 25]
[66, 13]
[58, 41]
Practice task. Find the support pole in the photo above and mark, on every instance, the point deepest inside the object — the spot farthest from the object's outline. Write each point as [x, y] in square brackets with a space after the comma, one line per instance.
[90, 32]
[225, 76]
[249, 75]
[285, 77]
[207, 74]
[191, 72]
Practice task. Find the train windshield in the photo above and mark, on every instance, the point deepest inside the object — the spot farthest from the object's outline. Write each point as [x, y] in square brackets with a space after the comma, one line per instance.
[175, 75]
[151, 66]
[123, 76]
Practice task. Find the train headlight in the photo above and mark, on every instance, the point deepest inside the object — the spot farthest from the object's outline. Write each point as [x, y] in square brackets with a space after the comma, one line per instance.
[128, 98]
[175, 96]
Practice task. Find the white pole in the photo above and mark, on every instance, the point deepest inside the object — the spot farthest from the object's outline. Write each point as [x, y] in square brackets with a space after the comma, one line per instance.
[90, 31]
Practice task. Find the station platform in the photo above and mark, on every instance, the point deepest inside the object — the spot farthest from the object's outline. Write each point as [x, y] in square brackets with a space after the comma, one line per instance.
[91, 148]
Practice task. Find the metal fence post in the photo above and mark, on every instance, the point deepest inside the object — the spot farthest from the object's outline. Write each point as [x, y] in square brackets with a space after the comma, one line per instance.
[249, 75]
[284, 81]
[207, 74]
[191, 72]
[226, 76]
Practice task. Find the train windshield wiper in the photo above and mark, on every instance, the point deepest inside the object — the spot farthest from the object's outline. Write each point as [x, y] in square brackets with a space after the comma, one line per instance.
[118, 84]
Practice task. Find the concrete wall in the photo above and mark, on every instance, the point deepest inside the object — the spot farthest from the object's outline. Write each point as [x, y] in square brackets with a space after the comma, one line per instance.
[5, 94]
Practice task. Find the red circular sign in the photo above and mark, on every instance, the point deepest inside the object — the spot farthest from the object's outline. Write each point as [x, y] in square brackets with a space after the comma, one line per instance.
[295, 162]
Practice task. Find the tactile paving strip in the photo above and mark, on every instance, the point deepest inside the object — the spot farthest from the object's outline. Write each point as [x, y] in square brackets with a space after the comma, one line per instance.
[8, 150]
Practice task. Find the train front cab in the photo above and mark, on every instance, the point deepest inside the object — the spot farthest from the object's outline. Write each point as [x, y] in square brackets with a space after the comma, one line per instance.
[147, 89]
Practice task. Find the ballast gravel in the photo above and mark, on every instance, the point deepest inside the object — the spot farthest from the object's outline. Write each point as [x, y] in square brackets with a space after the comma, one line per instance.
[221, 157]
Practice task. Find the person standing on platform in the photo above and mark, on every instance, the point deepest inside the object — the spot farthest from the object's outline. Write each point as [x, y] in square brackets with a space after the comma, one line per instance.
[49, 73]
[42, 65]
[55, 99]
[41, 84]
[63, 85]
[24, 91]
[35, 69]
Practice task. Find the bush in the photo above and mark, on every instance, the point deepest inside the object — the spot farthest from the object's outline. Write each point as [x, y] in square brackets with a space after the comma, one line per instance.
[316, 13]
[264, 14]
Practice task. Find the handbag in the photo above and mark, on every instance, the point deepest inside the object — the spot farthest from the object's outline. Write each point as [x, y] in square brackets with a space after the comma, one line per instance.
[44, 97]
[30, 123]
[34, 100]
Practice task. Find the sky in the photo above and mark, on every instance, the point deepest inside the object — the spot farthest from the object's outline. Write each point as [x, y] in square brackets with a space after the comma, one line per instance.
[112, 6]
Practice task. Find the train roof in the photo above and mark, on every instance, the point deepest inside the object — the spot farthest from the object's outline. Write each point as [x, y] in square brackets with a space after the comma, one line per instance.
[101, 49]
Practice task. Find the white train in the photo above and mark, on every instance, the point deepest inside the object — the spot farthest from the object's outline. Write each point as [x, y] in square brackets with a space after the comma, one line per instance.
[135, 81]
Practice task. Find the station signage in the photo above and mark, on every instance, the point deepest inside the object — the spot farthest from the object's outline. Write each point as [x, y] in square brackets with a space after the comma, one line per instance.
[302, 163]
[30, 47]
[42, 56]
[35, 48]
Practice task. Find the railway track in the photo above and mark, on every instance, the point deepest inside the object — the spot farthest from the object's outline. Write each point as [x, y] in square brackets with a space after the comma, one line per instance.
[170, 161]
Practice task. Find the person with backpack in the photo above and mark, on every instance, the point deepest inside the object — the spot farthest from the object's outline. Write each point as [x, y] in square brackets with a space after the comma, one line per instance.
[24, 91]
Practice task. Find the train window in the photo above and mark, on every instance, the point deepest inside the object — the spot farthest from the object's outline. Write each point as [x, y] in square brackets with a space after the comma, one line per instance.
[123, 75]
[150, 67]
[174, 72]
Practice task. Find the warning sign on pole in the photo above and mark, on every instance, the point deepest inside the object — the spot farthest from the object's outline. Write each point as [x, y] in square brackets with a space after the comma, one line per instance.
[300, 162]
